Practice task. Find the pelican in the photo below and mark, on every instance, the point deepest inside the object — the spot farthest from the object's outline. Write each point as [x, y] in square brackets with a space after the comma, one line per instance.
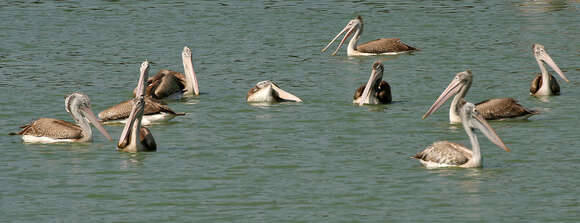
[136, 138]
[172, 84]
[155, 112]
[49, 130]
[544, 83]
[269, 92]
[383, 46]
[492, 109]
[448, 154]
[376, 91]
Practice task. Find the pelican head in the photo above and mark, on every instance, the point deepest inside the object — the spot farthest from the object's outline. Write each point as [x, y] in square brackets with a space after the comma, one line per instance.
[350, 28]
[543, 57]
[268, 92]
[79, 106]
[460, 83]
[472, 119]
[373, 83]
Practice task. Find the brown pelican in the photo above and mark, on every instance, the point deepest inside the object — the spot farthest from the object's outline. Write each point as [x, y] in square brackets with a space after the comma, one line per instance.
[172, 84]
[49, 130]
[444, 153]
[544, 83]
[269, 92]
[376, 91]
[383, 46]
[155, 111]
[492, 109]
[136, 138]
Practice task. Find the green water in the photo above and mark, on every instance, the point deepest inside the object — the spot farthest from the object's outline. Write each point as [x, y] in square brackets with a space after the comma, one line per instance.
[324, 160]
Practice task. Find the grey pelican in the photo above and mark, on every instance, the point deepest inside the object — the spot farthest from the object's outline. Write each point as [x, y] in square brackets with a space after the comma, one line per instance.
[49, 130]
[544, 83]
[376, 91]
[136, 138]
[446, 154]
[172, 84]
[492, 109]
[383, 46]
[269, 92]
[155, 112]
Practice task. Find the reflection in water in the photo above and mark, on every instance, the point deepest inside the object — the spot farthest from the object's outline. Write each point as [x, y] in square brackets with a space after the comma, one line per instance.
[540, 6]
[131, 160]
[543, 98]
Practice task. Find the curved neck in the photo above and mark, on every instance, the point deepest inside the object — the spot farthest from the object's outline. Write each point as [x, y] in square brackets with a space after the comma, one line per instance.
[454, 108]
[354, 41]
[83, 123]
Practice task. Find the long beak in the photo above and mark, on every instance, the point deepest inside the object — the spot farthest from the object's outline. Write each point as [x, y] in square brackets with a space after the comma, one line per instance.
[144, 73]
[343, 39]
[336, 37]
[480, 123]
[546, 58]
[451, 90]
[124, 139]
[350, 30]
[367, 91]
[189, 73]
[93, 119]
[284, 94]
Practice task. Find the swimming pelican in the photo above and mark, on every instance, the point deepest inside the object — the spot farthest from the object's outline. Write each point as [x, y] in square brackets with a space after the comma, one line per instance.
[383, 46]
[172, 84]
[49, 130]
[492, 109]
[136, 138]
[376, 91]
[446, 154]
[269, 92]
[544, 83]
[155, 112]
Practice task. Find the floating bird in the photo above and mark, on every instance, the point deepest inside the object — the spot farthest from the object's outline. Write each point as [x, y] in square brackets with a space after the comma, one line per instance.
[376, 91]
[383, 46]
[448, 154]
[172, 84]
[136, 138]
[49, 130]
[492, 109]
[269, 92]
[544, 83]
[155, 112]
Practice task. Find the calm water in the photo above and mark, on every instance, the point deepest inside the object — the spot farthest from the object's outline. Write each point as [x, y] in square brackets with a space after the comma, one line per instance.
[323, 160]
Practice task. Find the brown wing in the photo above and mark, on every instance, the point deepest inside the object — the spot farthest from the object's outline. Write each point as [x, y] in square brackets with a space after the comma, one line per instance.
[123, 109]
[500, 108]
[555, 87]
[53, 128]
[147, 139]
[384, 45]
[384, 93]
[445, 152]
[358, 92]
[537, 83]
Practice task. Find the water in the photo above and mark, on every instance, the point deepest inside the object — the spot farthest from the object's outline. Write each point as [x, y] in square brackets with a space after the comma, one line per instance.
[323, 160]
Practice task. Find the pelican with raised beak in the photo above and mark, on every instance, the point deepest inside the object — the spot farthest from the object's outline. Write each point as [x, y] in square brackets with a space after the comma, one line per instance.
[544, 83]
[492, 109]
[449, 154]
[383, 46]
[376, 91]
[50, 130]
[136, 138]
[269, 92]
[172, 84]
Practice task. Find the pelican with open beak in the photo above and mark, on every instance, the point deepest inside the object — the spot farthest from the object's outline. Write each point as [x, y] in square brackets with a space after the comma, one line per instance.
[383, 46]
[269, 92]
[449, 154]
[492, 109]
[136, 138]
[544, 83]
[172, 84]
[376, 91]
[49, 130]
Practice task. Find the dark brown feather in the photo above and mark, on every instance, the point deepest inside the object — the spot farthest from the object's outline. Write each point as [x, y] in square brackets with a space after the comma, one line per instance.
[384, 45]
[164, 84]
[383, 93]
[123, 109]
[53, 128]
[537, 83]
[502, 108]
[147, 139]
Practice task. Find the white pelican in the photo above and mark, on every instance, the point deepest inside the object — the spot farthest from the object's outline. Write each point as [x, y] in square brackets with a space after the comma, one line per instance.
[376, 91]
[383, 46]
[448, 154]
[492, 109]
[49, 130]
[544, 83]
